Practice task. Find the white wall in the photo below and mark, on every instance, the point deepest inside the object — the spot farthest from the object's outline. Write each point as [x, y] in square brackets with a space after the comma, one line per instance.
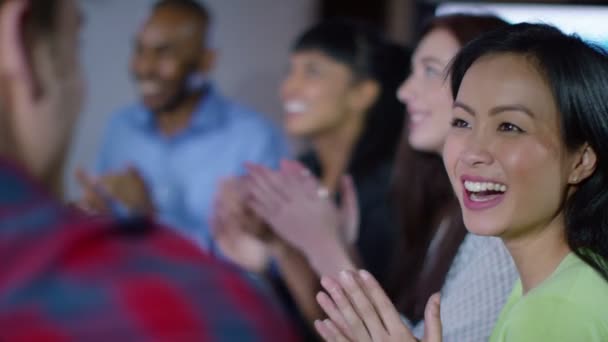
[253, 38]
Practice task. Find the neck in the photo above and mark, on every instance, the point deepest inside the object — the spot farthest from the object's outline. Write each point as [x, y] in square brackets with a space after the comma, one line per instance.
[334, 149]
[174, 121]
[538, 254]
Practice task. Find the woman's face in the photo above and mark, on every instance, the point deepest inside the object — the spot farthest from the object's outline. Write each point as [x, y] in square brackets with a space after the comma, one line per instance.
[316, 94]
[426, 93]
[504, 153]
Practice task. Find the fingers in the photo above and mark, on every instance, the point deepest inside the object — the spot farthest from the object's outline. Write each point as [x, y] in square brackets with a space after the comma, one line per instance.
[301, 181]
[356, 326]
[332, 311]
[329, 332]
[267, 181]
[92, 198]
[382, 304]
[363, 306]
[432, 320]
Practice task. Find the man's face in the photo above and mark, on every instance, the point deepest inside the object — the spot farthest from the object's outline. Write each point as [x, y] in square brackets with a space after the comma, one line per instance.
[168, 49]
[45, 91]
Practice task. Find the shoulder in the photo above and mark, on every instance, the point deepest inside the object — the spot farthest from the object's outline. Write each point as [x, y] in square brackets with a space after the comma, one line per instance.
[571, 305]
[129, 265]
[576, 283]
[548, 317]
[125, 117]
[243, 118]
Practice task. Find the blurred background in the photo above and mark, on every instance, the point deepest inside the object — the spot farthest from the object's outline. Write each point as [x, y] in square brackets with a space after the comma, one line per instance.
[253, 39]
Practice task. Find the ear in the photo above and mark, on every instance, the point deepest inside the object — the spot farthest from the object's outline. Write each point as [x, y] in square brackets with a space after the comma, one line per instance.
[15, 67]
[585, 162]
[363, 95]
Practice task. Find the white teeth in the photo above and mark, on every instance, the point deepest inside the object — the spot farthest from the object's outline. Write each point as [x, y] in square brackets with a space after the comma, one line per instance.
[295, 107]
[149, 87]
[484, 186]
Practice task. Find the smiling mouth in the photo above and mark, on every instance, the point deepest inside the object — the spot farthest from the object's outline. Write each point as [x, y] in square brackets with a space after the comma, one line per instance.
[483, 195]
[148, 88]
[295, 107]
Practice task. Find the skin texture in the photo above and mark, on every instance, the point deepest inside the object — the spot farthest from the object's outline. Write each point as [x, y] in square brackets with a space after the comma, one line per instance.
[426, 92]
[42, 90]
[359, 310]
[506, 129]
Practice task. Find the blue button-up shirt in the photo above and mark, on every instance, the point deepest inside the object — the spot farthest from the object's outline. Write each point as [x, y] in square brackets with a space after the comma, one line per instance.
[183, 171]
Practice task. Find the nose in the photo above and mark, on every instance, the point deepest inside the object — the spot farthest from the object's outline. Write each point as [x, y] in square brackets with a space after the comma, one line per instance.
[477, 151]
[407, 90]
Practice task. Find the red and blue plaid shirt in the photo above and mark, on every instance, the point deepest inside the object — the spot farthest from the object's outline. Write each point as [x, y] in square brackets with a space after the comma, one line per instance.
[64, 276]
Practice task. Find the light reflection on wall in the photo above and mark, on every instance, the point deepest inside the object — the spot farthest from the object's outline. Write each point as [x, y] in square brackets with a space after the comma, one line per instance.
[589, 22]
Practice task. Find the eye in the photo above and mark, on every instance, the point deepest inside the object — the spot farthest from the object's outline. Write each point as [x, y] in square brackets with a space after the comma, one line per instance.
[509, 127]
[430, 71]
[460, 123]
[312, 70]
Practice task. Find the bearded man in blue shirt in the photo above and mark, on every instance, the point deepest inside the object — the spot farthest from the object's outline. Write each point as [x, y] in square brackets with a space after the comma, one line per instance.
[165, 155]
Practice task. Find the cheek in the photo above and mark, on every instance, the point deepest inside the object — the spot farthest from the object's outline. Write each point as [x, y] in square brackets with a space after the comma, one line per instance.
[536, 173]
[169, 70]
[327, 109]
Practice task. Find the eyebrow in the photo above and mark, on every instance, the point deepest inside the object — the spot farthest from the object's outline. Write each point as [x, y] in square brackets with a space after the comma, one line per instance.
[431, 59]
[516, 108]
[496, 110]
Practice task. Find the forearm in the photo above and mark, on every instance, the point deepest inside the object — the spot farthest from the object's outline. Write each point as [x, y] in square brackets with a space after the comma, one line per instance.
[300, 278]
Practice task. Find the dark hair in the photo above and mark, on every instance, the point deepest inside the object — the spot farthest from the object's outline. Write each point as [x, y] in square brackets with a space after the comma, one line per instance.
[369, 55]
[40, 18]
[425, 202]
[191, 6]
[577, 74]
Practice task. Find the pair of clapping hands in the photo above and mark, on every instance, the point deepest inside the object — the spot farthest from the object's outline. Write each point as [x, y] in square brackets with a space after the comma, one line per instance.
[264, 208]
[106, 193]
[289, 205]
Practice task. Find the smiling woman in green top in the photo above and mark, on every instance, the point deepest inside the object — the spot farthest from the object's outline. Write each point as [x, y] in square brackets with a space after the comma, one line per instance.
[528, 159]
[527, 156]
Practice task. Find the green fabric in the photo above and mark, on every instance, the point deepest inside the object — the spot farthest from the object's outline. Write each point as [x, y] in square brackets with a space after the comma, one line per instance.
[571, 305]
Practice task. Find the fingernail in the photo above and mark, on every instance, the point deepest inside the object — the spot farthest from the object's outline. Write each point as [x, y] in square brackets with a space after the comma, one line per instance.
[347, 277]
[365, 275]
[325, 282]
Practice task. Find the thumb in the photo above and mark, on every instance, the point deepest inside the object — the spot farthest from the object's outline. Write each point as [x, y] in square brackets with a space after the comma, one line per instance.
[349, 209]
[432, 320]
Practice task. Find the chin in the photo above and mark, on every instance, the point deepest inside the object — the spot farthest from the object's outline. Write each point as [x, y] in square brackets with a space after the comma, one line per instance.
[299, 130]
[483, 226]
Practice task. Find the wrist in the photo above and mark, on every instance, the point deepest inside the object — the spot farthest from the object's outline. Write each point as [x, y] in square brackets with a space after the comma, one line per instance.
[330, 258]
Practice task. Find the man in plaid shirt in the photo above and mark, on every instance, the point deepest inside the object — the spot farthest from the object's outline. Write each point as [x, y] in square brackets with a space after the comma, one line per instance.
[66, 276]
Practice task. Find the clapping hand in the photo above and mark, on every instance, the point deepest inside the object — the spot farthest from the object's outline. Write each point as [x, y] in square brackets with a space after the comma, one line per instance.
[126, 188]
[358, 310]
